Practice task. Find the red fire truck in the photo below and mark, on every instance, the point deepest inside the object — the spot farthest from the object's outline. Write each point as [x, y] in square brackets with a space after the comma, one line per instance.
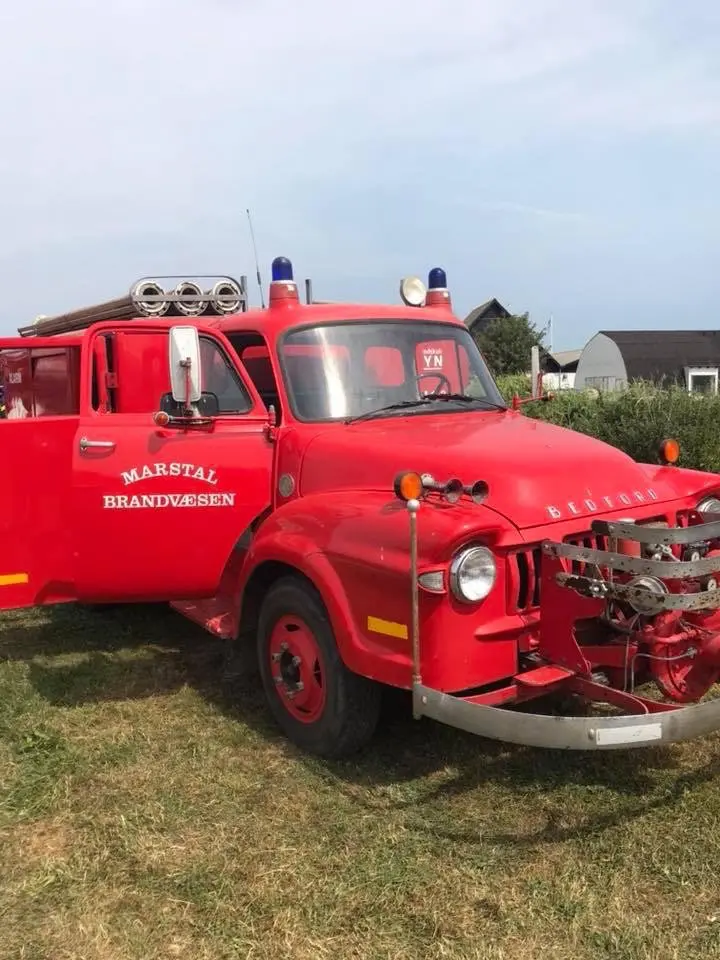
[343, 488]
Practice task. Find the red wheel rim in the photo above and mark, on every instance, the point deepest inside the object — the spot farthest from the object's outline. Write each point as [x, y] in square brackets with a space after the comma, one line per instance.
[297, 669]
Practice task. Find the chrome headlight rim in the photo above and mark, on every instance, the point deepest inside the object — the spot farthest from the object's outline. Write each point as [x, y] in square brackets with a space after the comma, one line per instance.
[460, 561]
[709, 504]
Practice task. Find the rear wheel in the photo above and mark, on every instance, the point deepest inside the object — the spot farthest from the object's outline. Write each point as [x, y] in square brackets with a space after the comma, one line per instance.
[318, 703]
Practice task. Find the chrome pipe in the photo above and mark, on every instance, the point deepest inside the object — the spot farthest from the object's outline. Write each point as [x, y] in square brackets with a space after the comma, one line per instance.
[226, 297]
[191, 300]
[155, 306]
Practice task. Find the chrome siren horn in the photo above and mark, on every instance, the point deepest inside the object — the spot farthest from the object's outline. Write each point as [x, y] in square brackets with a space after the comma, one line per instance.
[226, 296]
[191, 300]
[451, 489]
[478, 491]
[150, 307]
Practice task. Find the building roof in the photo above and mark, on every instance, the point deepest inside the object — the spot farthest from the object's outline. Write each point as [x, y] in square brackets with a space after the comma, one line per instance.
[659, 354]
[492, 309]
[564, 361]
[565, 357]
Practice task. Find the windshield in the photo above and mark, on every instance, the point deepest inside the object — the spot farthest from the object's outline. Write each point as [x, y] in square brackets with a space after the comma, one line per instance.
[377, 367]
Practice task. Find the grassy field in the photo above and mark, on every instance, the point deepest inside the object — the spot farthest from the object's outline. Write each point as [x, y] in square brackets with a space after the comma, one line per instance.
[148, 809]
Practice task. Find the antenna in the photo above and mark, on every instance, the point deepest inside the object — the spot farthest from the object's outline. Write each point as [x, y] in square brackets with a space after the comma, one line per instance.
[257, 265]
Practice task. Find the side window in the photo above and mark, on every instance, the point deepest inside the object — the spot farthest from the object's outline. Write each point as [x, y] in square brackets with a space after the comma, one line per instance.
[16, 380]
[131, 373]
[254, 354]
[56, 381]
[103, 391]
[220, 378]
[39, 382]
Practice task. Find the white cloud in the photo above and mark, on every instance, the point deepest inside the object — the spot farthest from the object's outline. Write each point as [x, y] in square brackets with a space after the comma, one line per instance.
[163, 117]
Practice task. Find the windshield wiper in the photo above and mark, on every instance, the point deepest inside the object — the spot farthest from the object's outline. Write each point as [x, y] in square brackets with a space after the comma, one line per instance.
[424, 401]
[401, 405]
[463, 398]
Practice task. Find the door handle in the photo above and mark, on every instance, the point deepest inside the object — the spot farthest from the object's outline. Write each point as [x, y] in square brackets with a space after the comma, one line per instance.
[85, 444]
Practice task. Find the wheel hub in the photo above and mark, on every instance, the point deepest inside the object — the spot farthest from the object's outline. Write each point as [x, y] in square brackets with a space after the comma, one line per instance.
[297, 669]
[289, 666]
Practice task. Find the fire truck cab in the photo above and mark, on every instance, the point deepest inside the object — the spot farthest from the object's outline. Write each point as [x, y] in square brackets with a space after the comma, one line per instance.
[342, 487]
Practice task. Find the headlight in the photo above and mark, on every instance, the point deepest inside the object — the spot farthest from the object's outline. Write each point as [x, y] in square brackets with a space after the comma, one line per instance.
[709, 505]
[472, 574]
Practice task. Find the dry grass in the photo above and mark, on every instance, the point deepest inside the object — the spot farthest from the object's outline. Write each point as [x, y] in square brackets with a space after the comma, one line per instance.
[149, 810]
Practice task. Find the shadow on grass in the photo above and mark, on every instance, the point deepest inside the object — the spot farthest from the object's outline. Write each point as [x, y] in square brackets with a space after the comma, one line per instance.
[145, 650]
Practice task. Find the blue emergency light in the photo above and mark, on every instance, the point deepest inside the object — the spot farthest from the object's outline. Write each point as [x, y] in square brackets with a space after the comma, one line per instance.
[437, 279]
[282, 270]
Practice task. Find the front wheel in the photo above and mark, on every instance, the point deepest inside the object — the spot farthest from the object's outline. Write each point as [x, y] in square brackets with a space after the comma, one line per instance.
[319, 704]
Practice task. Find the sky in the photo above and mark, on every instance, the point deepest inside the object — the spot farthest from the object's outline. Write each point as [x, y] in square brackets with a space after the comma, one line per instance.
[561, 156]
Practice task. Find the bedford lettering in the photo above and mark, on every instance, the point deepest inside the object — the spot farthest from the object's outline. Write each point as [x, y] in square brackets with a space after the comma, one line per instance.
[591, 506]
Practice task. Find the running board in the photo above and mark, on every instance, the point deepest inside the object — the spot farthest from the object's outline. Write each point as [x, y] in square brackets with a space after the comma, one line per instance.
[214, 615]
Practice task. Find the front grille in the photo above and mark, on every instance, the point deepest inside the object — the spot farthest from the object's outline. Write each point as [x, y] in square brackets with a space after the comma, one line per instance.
[524, 576]
[524, 563]
[591, 541]
[524, 570]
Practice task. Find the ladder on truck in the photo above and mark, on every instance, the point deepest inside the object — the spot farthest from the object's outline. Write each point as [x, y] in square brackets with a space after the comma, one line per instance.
[148, 297]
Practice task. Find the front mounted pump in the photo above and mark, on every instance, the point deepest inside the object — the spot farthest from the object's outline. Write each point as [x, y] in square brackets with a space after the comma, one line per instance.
[642, 606]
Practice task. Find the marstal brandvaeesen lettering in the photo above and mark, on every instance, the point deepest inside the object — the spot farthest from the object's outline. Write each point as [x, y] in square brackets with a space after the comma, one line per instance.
[159, 501]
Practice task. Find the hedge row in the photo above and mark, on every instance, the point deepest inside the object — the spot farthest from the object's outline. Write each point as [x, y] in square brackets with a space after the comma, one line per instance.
[635, 420]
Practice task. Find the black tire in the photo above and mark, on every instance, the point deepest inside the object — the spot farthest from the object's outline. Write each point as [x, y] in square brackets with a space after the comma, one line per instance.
[352, 703]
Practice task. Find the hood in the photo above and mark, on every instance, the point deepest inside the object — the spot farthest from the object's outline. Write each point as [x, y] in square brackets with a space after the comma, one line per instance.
[537, 472]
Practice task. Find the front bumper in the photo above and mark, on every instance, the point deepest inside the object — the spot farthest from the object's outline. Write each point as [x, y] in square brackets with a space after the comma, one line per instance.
[568, 733]
[649, 722]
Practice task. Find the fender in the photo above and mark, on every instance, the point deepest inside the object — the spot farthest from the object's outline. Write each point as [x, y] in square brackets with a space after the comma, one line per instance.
[367, 531]
[300, 552]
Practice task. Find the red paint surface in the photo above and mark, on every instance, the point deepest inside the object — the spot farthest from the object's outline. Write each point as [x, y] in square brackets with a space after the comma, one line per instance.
[337, 521]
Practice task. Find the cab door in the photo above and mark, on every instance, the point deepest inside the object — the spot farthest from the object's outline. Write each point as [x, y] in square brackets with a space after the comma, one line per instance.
[158, 510]
[39, 410]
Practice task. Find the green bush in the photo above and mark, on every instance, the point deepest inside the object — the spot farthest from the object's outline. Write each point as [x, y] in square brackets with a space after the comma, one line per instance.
[518, 383]
[635, 420]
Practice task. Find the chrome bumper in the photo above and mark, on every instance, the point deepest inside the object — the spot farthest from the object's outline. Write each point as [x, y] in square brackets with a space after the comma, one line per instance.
[568, 733]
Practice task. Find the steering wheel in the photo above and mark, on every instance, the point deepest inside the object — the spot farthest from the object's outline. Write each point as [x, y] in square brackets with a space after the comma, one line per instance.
[443, 381]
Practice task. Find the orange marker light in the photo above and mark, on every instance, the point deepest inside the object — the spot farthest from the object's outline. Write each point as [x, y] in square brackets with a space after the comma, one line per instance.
[669, 451]
[408, 486]
[161, 419]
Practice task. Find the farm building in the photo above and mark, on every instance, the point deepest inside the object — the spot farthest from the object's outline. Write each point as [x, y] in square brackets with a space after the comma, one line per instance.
[479, 318]
[613, 358]
[558, 369]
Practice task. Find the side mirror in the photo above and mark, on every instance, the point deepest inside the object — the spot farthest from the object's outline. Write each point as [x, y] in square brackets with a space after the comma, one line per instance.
[185, 371]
